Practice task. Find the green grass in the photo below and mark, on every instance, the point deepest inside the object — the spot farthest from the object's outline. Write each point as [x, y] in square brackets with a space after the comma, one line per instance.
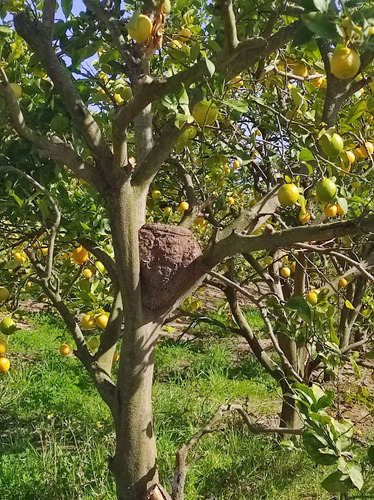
[56, 433]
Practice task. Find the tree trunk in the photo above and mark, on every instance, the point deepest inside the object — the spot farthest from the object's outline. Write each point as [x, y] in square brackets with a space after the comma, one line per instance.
[289, 416]
[135, 462]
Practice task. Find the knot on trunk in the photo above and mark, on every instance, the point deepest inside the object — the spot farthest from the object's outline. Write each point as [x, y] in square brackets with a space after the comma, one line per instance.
[169, 263]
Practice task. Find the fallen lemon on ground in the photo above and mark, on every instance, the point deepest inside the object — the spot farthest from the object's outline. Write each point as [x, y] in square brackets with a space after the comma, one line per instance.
[4, 364]
[64, 349]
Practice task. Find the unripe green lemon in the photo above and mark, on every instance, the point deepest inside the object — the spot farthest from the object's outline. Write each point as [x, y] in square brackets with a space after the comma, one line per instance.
[288, 195]
[332, 144]
[8, 326]
[205, 112]
[326, 190]
[4, 293]
[345, 63]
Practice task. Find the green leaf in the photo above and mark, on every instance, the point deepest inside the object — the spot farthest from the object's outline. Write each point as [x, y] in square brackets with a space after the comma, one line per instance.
[300, 305]
[369, 355]
[306, 155]
[356, 111]
[322, 5]
[66, 6]
[59, 123]
[321, 25]
[240, 106]
[43, 207]
[349, 305]
[342, 202]
[337, 482]
[302, 36]
[356, 476]
[210, 66]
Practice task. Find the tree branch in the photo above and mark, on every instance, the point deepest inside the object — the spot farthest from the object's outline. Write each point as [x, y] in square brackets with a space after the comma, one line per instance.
[183, 465]
[151, 164]
[49, 9]
[32, 32]
[229, 24]
[238, 243]
[52, 148]
[55, 225]
[103, 257]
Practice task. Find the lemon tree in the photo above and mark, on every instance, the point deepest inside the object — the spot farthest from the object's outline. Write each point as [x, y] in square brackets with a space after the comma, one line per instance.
[215, 138]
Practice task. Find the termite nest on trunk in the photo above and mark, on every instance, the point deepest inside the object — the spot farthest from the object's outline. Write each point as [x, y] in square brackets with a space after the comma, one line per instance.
[170, 261]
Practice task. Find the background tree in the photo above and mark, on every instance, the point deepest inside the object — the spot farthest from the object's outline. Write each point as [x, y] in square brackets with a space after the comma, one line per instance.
[188, 128]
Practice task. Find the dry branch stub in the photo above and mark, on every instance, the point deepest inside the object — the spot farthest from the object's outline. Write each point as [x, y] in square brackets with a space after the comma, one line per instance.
[170, 261]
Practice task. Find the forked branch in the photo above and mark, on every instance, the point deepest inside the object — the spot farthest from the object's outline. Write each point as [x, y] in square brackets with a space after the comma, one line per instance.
[183, 464]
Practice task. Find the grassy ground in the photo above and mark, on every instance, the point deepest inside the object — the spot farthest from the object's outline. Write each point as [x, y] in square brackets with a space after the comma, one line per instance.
[56, 433]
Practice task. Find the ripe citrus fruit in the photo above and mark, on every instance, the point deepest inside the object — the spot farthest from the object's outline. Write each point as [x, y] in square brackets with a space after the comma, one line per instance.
[318, 82]
[351, 156]
[364, 150]
[236, 82]
[357, 153]
[142, 31]
[18, 256]
[343, 282]
[312, 298]
[340, 210]
[80, 255]
[285, 272]
[115, 356]
[205, 112]
[64, 349]
[326, 190]
[3, 346]
[44, 251]
[183, 206]
[345, 63]
[292, 266]
[101, 321]
[87, 273]
[304, 217]
[17, 89]
[330, 210]
[288, 195]
[230, 200]
[8, 326]
[167, 211]
[4, 364]
[4, 293]
[332, 144]
[88, 322]
[236, 164]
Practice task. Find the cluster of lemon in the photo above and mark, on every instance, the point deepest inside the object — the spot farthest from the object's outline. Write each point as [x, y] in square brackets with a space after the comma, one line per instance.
[7, 327]
[326, 191]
